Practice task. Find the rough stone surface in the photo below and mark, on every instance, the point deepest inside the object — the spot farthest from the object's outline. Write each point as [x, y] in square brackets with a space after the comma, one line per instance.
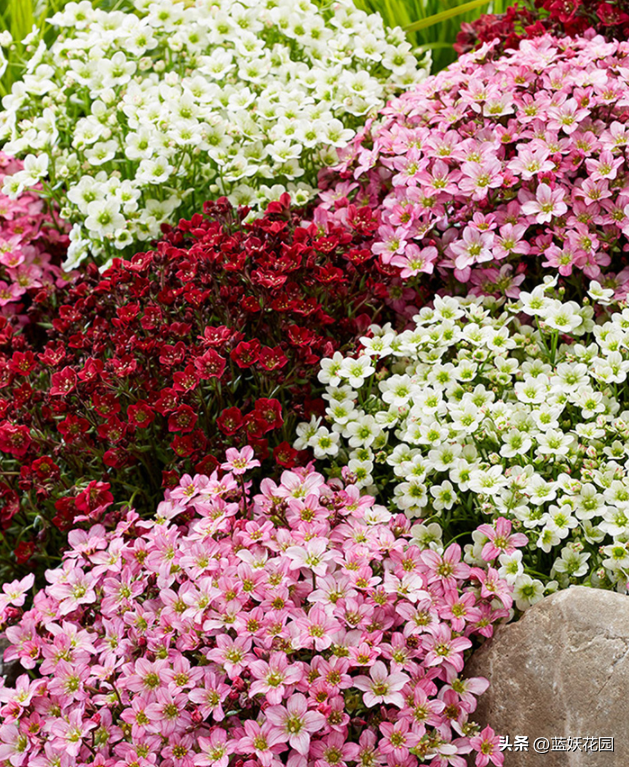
[561, 671]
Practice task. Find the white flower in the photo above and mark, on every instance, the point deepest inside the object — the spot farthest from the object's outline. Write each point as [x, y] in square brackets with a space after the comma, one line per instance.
[515, 443]
[531, 391]
[599, 294]
[362, 432]
[324, 442]
[535, 303]
[572, 562]
[444, 496]
[341, 412]
[396, 390]
[356, 370]
[103, 217]
[553, 442]
[86, 191]
[527, 591]
[500, 431]
[101, 152]
[560, 519]
[428, 536]
[511, 567]
[155, 171]
[305, 433]
[330, 369]
[361, 471]
[617, 556]
[35, 168]
[487, 481]
[563, 317]
[548, 538]
[200, 95]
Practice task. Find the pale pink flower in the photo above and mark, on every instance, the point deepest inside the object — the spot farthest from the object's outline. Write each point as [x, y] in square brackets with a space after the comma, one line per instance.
[501, 539]
[381, 686]
[295, 723]
[274, 677]
[240, 461]
[215, 750]
[263, 740]
[334, 751]
[474, 247]
[15, 592]
[548, 203]
[441, 648]
[487, 743]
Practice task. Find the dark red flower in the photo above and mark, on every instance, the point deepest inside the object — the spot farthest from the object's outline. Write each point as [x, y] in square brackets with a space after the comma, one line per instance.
[9, 505]
[22, 363]
[73, 427]
[216, 336]
[141, 414]
[54, 354]
[207, 465]
[185, 340]
[170, 479]
[251, 304]
[63, 382]
[95, 498]
[611, 15]
[246, 353]
[92, 370]
[230, 421]
[172, 355]
[182, 445]
[105, 404]
[285, 455]
[187, 379]
[269, 412]
[24, 551]
[272, 359]
[183, 419]
[127, 313]
[66, 511]
[113, 430]
[15, 439]
[114, 458]
[210, 365]
[45, 468]
[562, 10]
[168, 401]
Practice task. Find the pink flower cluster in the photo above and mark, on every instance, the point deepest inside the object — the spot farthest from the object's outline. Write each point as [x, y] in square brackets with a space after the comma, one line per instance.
[30, 246]
[492, 169]
[303, 627]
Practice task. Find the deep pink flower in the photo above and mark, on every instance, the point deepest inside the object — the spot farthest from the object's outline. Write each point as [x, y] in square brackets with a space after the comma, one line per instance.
[501, 539]
[487, 743]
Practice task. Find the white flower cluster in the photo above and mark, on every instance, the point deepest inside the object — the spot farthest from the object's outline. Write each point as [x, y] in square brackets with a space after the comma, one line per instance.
[484, 410]
[133, 118]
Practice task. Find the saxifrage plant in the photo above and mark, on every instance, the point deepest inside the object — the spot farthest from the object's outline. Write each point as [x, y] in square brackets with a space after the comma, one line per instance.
[303, 625]
[156, 366]
[487, 410]
[130, 118]
[533, 18]
[492, 174]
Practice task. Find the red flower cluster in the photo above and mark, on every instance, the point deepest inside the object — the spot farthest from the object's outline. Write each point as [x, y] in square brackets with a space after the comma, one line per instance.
[162, 362]
[533, 18]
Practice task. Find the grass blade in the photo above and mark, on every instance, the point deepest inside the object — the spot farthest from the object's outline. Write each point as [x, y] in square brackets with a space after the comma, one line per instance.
[451, 13]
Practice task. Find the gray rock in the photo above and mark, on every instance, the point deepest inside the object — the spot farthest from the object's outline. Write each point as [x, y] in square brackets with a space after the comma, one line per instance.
[560, 672]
